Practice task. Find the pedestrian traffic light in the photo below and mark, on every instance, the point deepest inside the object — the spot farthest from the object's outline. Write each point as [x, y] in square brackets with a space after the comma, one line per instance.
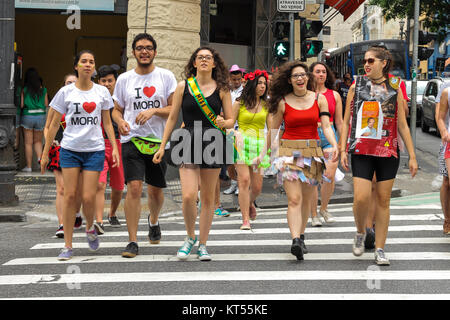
[311, 48]
[426, 37]
[281, 30]
[424, 53]
[310, 29]
[281, 49]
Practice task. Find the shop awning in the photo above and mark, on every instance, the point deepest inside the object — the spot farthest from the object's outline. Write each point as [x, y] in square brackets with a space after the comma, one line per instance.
[345, 7]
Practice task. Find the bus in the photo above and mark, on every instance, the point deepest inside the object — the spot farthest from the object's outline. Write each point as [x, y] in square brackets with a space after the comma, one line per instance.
[350, 58]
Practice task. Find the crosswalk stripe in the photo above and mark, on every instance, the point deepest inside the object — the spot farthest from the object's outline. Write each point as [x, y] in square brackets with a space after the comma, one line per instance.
[243, 243]
[269, 231]
[348, 256]
[260, 297]
[130, 277]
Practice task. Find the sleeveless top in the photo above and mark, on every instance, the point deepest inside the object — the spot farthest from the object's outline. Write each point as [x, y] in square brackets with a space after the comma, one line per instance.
[378, 102]
[301, 124]
[191, 111]
[252, 123]
[34, 105]
[329, 95]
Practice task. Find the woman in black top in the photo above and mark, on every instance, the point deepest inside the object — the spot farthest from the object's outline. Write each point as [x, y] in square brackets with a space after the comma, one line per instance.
[202, 143]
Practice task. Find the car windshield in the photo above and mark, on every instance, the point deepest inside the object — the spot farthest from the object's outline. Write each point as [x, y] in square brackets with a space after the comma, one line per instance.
[421, 85]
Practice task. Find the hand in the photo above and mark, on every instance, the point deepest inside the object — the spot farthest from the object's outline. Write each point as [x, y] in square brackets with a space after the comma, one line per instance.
[445, 137]
[124, 128]
[413, 167]
[220, 121]
[334, 153]
[55, 143]
[44, 162]
[344, 160]
[144, 116]
[158, 156]
[116, 158]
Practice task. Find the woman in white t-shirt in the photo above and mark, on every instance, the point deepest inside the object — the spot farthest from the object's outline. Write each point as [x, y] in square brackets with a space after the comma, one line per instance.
[86, 104]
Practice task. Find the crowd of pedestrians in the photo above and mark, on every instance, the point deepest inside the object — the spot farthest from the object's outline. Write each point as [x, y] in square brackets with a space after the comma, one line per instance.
[124, 127]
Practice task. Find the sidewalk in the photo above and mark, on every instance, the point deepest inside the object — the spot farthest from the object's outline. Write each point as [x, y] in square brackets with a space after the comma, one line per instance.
[37, 192]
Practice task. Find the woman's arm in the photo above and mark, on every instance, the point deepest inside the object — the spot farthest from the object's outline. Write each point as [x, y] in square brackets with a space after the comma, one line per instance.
[338, 112]
[441, 114]
[52, 130]
[228, 122]
[345, 127]
[326, 127]
[107, 125]
[405, 134]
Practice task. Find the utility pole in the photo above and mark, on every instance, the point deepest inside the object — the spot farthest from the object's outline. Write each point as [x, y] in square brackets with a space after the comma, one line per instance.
[322, 6]
[291, 37]
[7, 107]
[414, 73]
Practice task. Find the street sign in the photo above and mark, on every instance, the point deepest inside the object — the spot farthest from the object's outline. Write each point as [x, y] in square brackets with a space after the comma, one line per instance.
[290, 5]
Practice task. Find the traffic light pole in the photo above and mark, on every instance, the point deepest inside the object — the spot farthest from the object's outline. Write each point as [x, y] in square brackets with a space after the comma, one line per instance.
[7, 107]
[413, 111]
[291, 37]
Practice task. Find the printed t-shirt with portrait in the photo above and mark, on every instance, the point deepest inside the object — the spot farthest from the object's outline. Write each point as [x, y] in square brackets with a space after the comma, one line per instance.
[136, 93]
[83, 111]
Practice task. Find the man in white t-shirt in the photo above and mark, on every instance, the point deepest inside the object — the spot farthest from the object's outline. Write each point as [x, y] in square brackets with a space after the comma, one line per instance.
[143, 99]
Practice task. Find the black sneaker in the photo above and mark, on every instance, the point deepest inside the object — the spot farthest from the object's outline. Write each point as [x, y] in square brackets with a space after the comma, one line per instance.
[296, 248]
[78, 222]
[60, 232]
[369, 243]
[154, 233]
[114, 222]
[99, 228]
[302, 243]
[131, 251]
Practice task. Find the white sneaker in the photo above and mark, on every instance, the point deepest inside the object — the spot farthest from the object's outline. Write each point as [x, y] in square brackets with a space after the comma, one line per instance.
[237, 191]
[232, 187]
[26, 169]
[327, 216]
[358, 244]
[316, 222]
[380, 258]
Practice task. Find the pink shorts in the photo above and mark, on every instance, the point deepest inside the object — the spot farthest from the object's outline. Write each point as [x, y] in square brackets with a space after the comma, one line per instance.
[116, 177]
[447, 151]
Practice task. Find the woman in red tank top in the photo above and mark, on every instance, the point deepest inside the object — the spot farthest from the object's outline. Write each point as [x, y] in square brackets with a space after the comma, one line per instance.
[324, 84]
[299, 163]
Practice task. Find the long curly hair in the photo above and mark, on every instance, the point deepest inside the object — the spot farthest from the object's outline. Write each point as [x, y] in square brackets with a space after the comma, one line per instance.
[331, 79]
[220, 73]
[281, 85]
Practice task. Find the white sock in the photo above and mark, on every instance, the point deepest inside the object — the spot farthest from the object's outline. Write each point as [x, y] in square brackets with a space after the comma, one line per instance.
[154, 225]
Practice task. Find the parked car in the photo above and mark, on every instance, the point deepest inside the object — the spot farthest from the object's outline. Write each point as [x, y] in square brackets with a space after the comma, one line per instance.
[428, 119]
[421, 85]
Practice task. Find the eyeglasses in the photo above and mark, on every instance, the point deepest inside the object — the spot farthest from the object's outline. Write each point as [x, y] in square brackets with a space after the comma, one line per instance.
[370, 60]
[206, 58]
[299, 75]
[142, 48]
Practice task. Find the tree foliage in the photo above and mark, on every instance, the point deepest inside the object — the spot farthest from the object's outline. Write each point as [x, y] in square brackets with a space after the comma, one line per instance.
[436, 12]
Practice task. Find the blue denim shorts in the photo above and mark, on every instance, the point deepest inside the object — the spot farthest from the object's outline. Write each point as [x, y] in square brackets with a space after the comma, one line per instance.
[323, 141]
[33, 122]
[89, 161]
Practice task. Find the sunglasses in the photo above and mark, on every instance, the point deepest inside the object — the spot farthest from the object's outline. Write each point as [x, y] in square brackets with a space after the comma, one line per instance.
[370, 60]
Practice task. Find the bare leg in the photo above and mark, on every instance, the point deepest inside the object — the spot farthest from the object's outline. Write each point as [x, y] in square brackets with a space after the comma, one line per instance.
[383, 191]
[189, 178]
[362, 193]
[208, 179]
[132, 208]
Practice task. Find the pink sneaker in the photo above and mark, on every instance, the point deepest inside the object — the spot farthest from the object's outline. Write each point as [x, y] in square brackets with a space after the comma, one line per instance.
[246, 226]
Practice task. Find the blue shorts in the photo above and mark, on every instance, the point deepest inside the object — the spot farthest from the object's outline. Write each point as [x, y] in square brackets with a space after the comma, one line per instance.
[89, 161]
[323, 141]
[33, 122]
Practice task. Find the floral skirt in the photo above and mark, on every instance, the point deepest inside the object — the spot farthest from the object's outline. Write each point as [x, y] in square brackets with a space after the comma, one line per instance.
[300, 160]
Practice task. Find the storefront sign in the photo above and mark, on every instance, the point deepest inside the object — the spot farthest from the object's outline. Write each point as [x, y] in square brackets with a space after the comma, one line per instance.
[97, 5]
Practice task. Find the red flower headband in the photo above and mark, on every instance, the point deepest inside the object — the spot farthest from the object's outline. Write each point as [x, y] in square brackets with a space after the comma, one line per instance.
[256, 74]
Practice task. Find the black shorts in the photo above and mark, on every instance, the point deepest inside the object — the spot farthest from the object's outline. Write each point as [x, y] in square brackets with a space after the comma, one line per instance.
[365, 166]
[139, 166]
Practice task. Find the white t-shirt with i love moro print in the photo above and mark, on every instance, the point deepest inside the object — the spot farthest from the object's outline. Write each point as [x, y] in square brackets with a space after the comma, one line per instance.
[136, 93]
[83, 111]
